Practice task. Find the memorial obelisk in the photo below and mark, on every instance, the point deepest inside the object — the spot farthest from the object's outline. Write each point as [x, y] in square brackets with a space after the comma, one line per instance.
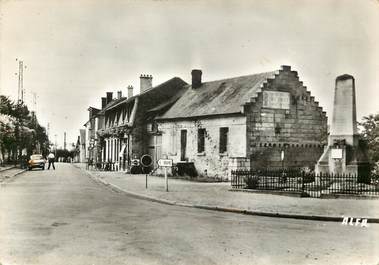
[345, 153]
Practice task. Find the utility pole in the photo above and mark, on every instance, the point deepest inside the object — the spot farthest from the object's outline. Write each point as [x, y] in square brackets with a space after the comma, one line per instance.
[34, 94]
[64, 141]
[56, 144]
[21, 91]
[20, 100]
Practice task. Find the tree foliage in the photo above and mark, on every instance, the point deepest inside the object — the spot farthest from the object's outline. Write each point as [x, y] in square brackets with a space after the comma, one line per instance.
[370, 133]
[20, 130]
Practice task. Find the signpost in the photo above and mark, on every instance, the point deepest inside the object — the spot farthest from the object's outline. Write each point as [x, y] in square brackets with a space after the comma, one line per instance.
[165, 163]
[146, 162]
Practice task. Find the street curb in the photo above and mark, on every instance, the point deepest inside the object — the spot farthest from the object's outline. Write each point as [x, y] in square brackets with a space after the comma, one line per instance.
[225, 209]
[11, 178]
[8, 168]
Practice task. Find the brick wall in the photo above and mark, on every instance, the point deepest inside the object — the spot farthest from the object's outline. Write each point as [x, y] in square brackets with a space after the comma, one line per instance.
[302, 128]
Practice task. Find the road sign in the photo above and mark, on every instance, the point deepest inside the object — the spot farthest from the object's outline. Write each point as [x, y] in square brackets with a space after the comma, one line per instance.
[165, 162]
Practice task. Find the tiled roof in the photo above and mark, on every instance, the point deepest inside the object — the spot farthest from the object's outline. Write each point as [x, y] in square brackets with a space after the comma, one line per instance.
[112, 104]
[164, 92]
[217, 97]
[160, 93]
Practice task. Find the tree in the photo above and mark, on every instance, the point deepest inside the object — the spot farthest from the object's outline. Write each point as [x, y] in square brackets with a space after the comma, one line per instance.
[19, 129]
[370, 133]
[7, 135]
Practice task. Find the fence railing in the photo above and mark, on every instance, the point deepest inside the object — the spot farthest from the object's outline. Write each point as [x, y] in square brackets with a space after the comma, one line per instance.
[309, 184]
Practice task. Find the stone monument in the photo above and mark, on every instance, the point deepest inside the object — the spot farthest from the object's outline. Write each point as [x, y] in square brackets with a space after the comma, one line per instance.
[345, 153]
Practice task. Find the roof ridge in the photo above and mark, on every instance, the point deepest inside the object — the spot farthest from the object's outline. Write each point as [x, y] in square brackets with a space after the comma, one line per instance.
[161, 84]
[242, 76]
[214, 98]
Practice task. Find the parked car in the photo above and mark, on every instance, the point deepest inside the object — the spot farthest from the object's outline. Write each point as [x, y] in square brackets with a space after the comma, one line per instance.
[36, 161]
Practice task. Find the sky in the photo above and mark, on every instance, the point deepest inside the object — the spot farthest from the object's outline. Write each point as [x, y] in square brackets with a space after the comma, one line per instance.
[77, 50]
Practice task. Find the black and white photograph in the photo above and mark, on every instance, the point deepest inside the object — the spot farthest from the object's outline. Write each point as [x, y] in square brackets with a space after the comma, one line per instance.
[189, 132]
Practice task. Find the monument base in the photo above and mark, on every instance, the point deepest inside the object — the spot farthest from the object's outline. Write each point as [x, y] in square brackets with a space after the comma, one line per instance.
[341, 158]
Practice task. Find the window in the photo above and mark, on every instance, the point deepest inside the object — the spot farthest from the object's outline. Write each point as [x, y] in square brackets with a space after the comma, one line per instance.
[152, 127]
[173, 141]
[201, 140]
[224, 139]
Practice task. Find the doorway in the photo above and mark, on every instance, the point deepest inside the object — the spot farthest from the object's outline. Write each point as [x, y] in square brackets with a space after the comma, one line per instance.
[183, 145]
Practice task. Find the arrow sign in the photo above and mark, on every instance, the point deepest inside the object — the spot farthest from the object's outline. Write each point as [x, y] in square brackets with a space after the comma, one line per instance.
[165, 162]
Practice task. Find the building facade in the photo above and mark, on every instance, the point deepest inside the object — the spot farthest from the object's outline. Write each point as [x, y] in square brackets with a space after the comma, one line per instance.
[91, 136]
[82, 146]
[126, 125]
[261, 121]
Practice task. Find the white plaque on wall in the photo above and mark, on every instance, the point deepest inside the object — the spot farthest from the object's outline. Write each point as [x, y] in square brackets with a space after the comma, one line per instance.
[276, 100]
[337, 153]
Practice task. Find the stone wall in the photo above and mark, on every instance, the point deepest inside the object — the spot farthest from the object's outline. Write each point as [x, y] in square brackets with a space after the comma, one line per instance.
[295, 156]
[210, 162]
[300, 128]
[238, 163]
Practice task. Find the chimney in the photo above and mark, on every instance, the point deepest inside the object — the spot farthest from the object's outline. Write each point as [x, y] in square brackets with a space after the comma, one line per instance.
[146, 82]
[130, 91]
[196, 78]
[103, 102]
[109, 97]
[285, 68]
[119, 94]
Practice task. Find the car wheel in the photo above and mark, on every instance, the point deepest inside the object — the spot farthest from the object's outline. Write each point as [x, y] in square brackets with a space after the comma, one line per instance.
[43, 168]
[30, 168]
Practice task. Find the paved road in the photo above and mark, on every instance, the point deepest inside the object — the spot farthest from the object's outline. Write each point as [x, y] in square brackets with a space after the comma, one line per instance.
[63, 217]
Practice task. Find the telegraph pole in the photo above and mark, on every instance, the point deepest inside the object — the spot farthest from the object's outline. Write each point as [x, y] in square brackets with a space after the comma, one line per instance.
[21, 91]
[34, 94]
[56, 144]
[64, 141]
[20, 101]
[48, 130]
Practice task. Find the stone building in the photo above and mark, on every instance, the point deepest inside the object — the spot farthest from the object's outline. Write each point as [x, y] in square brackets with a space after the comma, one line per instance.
[126, 126]
[82, 146]
[266, 120]
[90, 135]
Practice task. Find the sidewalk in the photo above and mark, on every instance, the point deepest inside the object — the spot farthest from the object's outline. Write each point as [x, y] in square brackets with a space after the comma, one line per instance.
[8, 172]
[6, 167]
[211, 195]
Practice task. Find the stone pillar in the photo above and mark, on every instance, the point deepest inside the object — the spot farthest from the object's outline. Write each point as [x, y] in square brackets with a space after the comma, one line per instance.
[238, 163]
[112, 149]
[102, 154]
[106, 149]
[344, 153]
[117, 151]
[344, 122]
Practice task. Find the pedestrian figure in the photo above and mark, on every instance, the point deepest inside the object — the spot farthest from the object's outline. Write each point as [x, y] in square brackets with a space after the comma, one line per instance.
[51, 158]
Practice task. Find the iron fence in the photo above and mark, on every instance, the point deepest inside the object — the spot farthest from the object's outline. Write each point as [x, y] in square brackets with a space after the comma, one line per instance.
[307, 183]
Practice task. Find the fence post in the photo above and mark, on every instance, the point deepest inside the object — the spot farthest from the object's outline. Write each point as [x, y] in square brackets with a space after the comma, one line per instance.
[231, 178]
[302, 183]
